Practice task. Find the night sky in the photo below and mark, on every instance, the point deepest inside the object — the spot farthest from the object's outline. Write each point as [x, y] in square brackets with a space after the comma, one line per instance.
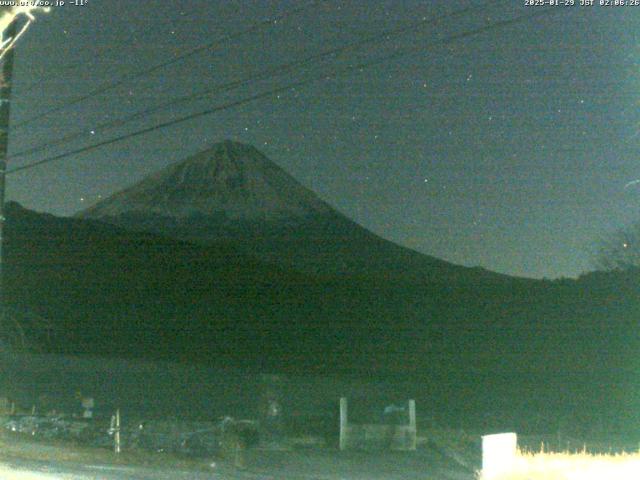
[509, 149]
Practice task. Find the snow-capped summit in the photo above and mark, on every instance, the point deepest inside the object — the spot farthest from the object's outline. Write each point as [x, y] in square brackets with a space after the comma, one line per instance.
[230, 180]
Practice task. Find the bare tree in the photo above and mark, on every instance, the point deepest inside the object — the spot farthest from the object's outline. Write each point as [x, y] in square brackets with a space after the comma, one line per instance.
[620, 250]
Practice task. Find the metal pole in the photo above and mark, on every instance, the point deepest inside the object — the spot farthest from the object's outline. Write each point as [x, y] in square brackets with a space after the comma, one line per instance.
[412, 425]
[344, 422]
[117, 447]
[6, 83]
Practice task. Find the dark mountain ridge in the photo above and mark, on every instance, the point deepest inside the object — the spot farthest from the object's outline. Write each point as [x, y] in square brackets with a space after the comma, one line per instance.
[470, 346]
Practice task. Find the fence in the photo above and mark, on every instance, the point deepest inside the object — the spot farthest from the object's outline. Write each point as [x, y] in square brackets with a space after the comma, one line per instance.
[376, 435]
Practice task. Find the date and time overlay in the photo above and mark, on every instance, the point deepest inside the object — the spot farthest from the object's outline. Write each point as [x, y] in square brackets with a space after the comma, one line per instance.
[582, 3]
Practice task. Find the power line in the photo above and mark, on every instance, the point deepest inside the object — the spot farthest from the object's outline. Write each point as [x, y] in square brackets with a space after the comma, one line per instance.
[195, 51]
[275, 91]
[300, 83]
[96, 57]
[268, 73]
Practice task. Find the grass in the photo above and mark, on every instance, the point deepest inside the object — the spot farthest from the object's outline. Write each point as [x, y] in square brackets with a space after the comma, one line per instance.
[571, 466]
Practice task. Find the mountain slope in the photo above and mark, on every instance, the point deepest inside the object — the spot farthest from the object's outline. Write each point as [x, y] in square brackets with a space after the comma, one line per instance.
[233, 193]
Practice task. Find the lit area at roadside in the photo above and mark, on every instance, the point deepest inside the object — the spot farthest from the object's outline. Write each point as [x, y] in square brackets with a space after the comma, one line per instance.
[502, 460]
[8, 473]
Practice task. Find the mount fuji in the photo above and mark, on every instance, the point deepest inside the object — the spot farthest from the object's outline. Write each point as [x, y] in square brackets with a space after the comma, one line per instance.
[232, 193]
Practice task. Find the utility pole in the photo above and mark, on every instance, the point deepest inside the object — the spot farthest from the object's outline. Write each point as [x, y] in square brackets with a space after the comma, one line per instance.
[6, 83]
